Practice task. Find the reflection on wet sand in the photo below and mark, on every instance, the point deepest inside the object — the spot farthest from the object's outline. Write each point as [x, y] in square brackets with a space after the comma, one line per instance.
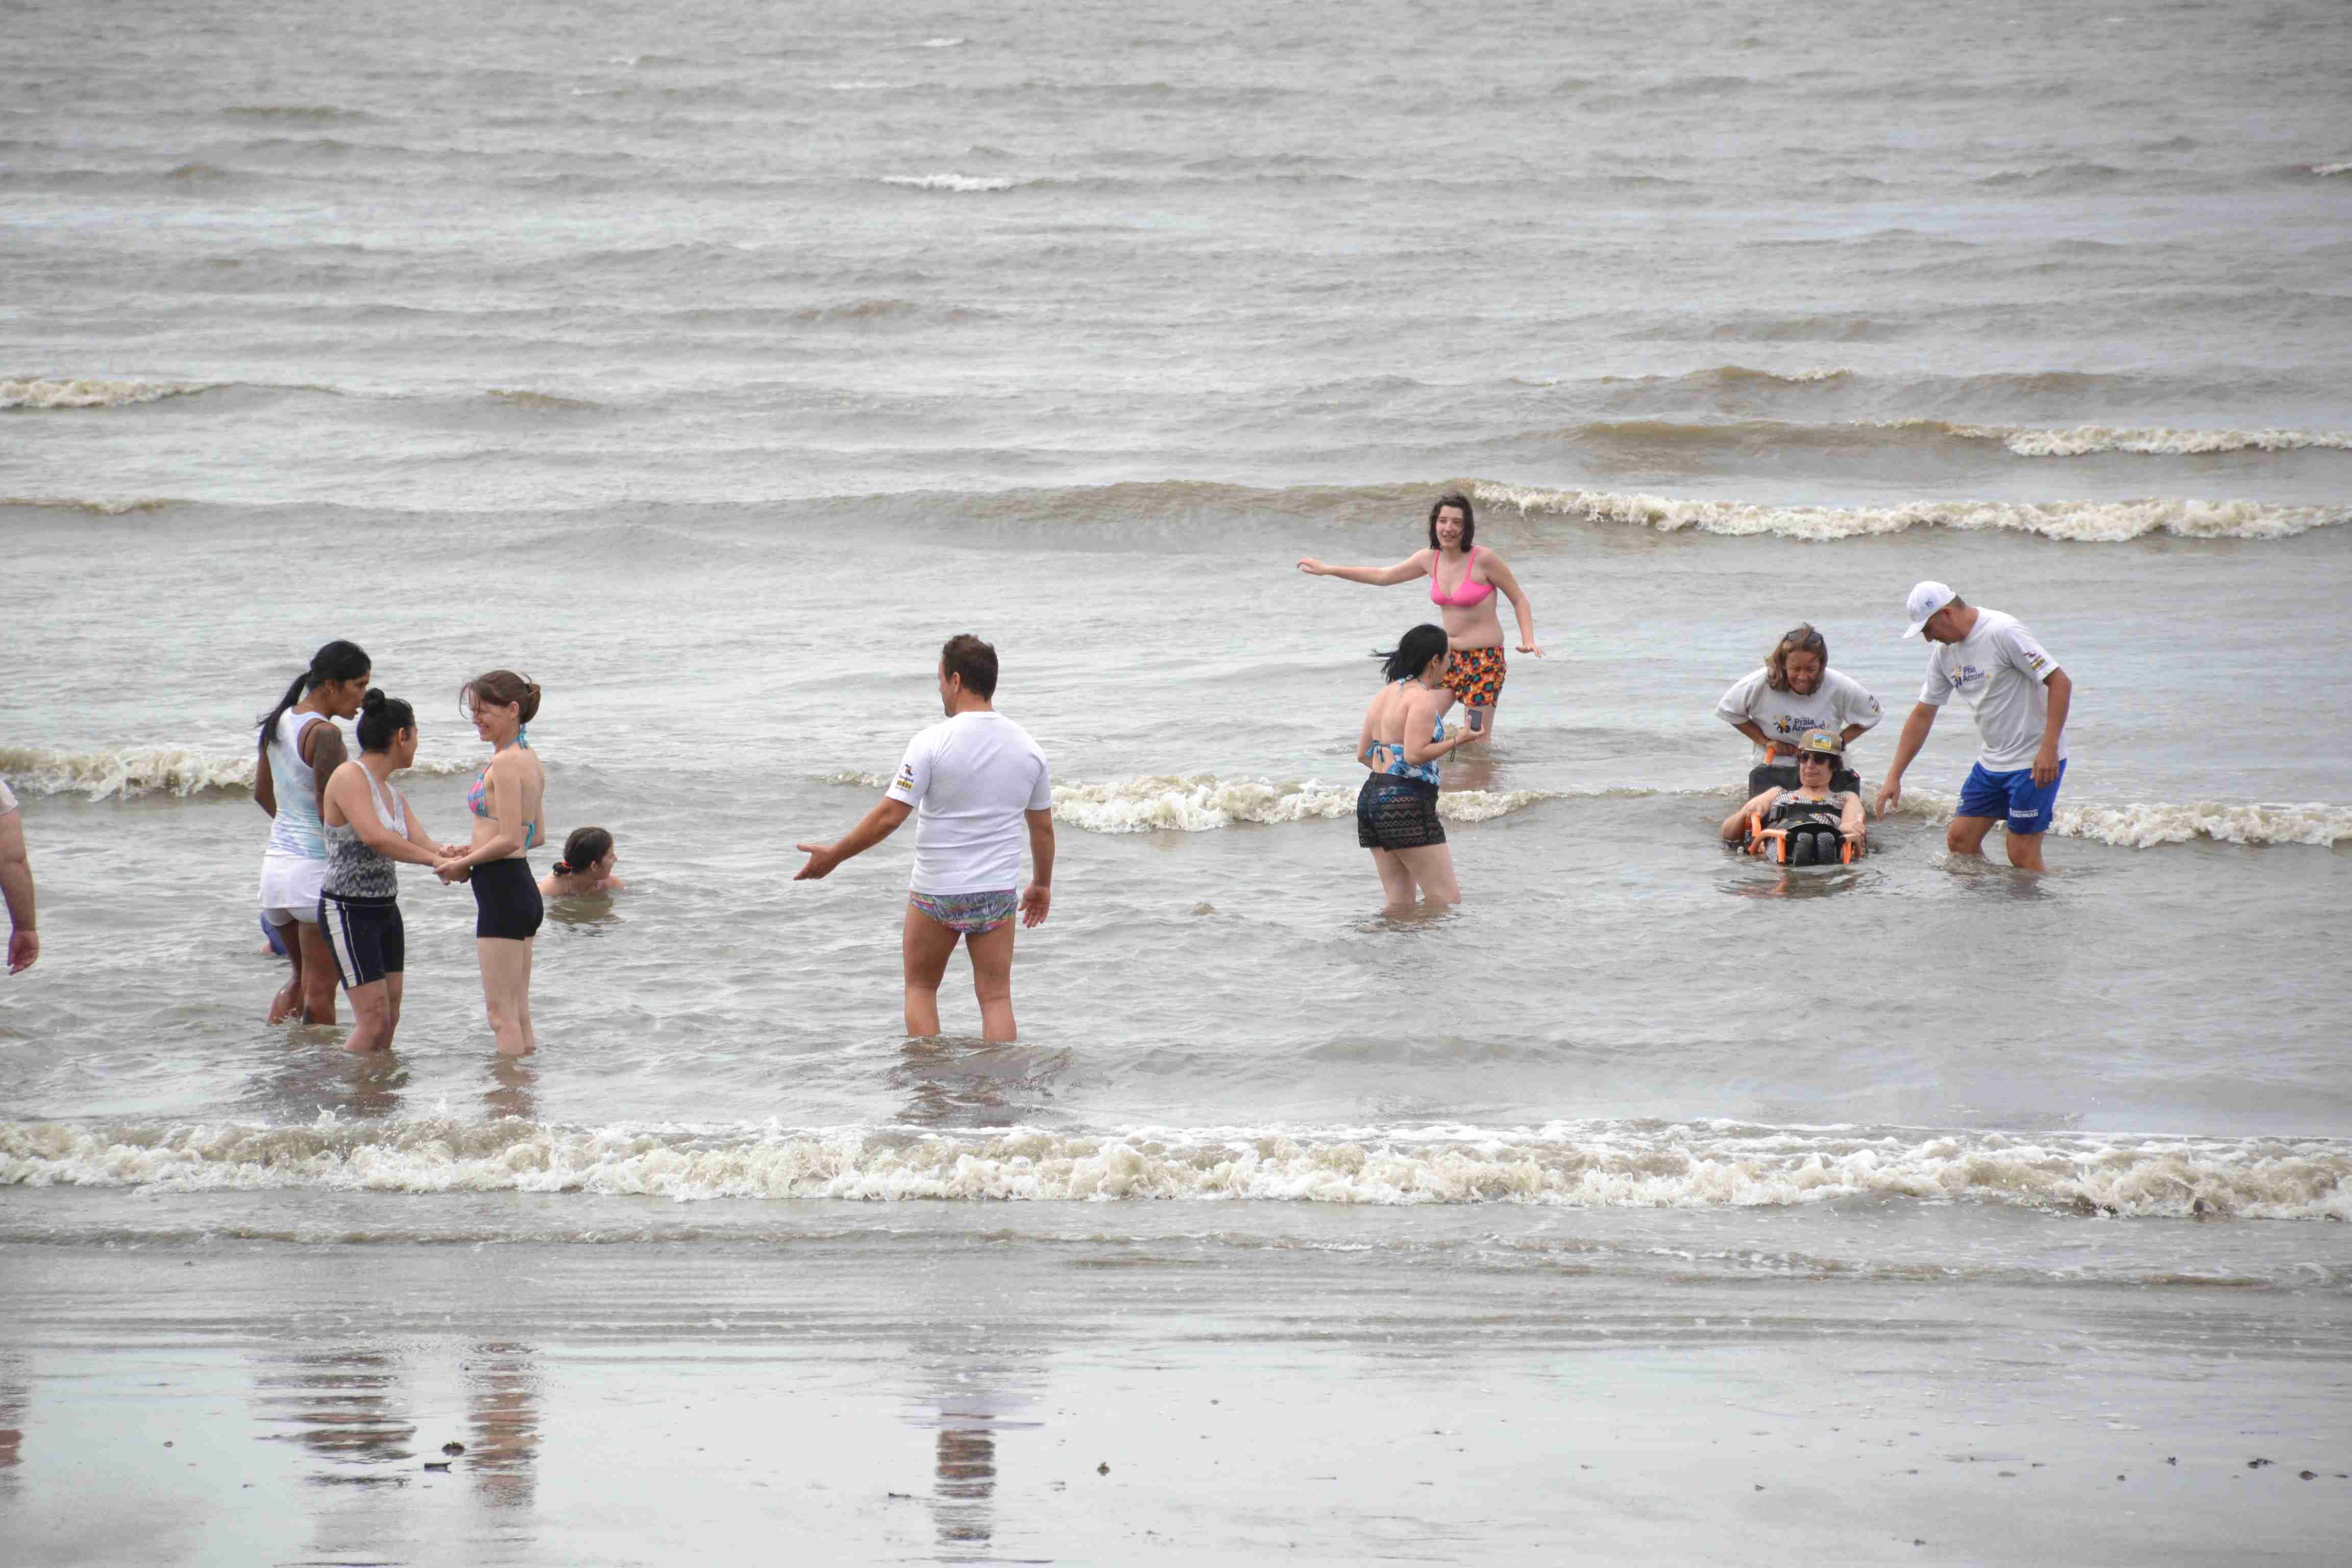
[344, 1405]
[16, 1395]
[968, 1083]
[975, 1392]
[502, 1405]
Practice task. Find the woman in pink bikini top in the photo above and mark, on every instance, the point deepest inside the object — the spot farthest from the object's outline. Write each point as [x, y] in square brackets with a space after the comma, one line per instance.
[1464, 579]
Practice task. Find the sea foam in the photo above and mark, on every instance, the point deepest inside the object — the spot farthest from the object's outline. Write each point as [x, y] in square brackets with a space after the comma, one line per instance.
[1563, 1165]
[81, 392]
[132, 772]
[2091, 522]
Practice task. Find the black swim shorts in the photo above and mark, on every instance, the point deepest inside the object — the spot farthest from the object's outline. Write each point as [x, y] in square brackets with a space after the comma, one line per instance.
[366, 937]
[506, 900]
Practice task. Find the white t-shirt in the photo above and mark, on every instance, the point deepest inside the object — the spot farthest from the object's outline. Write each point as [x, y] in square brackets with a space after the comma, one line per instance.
[8, 799]
[1999, 671]
[969, 779]
[1837, 701]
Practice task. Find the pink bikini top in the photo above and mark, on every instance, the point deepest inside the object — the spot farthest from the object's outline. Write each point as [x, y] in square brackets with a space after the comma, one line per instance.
[1469, 593]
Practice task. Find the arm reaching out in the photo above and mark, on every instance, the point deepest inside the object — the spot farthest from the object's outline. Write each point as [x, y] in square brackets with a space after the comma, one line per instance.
[1914, 736]
[872, 828]
[1413, 565]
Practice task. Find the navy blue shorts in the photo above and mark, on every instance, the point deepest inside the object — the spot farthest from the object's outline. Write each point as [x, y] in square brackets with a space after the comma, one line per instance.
[2026, 807]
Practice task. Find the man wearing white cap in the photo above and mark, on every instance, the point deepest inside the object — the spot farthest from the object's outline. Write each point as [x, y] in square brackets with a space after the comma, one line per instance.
[2020, 698]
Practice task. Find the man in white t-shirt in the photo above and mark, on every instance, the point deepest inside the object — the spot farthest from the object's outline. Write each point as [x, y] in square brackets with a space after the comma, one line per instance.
[2020, 698]
[1793, 695]
[972, 783]
[16, 885]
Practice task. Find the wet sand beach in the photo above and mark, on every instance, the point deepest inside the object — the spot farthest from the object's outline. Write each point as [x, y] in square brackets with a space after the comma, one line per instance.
[1261, 1384]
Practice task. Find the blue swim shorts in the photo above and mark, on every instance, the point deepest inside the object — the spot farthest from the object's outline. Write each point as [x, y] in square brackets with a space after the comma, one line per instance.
[2027, 806]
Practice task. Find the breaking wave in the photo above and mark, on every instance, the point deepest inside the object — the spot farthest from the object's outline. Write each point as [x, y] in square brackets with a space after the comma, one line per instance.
[96, 507]
[136, 771]
[950, 181]
[1647, 1165]
[1200, 803]
[2145, 825]
[90, 392]
[2093, 522]
[2083, 440]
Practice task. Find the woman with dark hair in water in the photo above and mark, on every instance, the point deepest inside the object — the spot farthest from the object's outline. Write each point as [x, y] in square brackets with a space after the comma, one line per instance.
[299, 748]
[1401, 740]
[586, 867]
[1473, 629]
[509, 804]
[369, 827]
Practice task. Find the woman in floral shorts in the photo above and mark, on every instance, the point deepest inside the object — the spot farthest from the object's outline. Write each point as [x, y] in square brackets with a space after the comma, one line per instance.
[1467, 581]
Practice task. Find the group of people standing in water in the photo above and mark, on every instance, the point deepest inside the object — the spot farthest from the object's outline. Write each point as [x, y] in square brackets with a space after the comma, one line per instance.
[339, 826]
[981, 790]
[1795, 706]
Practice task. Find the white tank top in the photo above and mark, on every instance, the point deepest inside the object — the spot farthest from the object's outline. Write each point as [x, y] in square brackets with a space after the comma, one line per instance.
[297, 830]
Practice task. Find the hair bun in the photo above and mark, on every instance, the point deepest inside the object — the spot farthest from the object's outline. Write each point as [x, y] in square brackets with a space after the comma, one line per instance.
[374, 699]
[563, 867]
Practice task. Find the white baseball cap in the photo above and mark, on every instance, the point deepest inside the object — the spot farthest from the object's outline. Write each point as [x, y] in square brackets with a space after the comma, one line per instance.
[1926, 599]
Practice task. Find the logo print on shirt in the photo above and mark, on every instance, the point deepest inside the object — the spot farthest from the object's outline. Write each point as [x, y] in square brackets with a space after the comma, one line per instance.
[1965, 675]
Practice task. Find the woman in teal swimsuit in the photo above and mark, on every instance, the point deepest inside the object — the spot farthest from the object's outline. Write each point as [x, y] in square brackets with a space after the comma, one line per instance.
[508, 803]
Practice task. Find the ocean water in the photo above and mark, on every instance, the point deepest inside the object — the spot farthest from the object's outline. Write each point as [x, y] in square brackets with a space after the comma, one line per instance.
[713, 364]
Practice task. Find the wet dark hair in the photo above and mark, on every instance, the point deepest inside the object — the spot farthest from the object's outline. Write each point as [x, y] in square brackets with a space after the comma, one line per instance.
[1469, 519]
[1413, 651]
[974, 661]
[381, 719]
[338, 660]
[498, 689]
[582, 849]
[1802, 638]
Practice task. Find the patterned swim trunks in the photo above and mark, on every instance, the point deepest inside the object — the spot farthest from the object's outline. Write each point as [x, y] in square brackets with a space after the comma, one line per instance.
[970, 913]
[1475, 676]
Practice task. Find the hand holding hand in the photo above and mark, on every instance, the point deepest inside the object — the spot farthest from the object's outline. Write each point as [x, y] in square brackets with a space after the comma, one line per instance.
[822, 859]
[25, 949]
[452, 871]
[1035, 900]
[1890, 795]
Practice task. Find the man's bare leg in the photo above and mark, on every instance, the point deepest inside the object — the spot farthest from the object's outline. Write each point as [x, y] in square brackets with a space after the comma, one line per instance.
[924, 945]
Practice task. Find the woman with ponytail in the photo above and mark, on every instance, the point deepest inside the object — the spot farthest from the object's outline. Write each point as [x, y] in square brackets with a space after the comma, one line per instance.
[369, 828]
[509, 804]
[586, 867]
[298, 751]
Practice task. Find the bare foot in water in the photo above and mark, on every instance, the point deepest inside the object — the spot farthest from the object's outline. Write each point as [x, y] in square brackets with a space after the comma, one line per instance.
[282, 1005]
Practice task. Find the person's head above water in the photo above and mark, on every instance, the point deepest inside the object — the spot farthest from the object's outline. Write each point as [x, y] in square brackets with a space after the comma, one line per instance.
[585, 852]
[1937, 613]
[341, 669]
[1819, 754]
[1458, 505]
[497, 700]
[967, 668]
[1408, 660]
[387, 725]
[1797, 661]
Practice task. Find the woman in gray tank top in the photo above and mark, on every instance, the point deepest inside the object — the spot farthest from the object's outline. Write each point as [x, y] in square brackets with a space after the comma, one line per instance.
[367, 826]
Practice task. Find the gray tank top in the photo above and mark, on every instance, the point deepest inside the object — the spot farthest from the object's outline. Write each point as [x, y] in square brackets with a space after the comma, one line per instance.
[354, 871]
